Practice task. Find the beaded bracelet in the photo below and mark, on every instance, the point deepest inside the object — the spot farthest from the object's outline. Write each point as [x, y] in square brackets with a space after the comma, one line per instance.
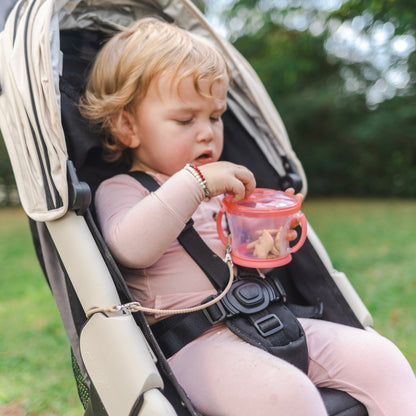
[194, 170]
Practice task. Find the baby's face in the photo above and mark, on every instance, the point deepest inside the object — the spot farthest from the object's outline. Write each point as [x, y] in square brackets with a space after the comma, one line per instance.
[176, 125]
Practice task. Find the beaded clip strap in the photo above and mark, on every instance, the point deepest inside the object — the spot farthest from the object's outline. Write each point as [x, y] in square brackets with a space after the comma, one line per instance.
[194, 170]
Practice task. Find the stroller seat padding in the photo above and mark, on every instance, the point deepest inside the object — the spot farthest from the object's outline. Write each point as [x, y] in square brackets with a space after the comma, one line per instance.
[339, 403]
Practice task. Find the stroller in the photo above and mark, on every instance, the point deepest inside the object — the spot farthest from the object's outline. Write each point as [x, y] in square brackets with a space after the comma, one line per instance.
[46, 48]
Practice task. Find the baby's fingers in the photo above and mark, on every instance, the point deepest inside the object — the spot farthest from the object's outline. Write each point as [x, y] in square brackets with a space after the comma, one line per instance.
[291, 235]
[291, 191]
[248, 181]
[242, 184]
[294, 222]
[237, 189]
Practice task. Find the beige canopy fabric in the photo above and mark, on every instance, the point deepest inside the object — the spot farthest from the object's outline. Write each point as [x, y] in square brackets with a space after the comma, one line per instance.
[30, 62]
[29, 108]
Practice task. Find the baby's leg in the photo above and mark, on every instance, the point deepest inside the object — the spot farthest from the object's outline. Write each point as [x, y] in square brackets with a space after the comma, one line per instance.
[225, 376]
[363, 363]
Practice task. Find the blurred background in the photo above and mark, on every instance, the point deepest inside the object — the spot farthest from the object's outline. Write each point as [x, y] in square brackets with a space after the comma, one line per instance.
[342, 76]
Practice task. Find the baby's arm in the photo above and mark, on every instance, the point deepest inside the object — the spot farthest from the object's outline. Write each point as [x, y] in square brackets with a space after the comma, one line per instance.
[139, 227]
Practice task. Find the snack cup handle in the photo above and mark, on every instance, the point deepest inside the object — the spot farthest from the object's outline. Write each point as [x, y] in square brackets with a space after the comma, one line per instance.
[220, 231]
[303, 224]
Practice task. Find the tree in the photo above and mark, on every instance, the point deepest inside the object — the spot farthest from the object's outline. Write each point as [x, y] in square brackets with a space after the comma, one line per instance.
[352, 131]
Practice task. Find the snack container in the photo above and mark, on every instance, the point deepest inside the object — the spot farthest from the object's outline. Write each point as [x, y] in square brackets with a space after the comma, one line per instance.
[258, 227]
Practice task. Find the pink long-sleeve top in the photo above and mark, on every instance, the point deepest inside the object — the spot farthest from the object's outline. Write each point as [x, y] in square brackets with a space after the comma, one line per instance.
[141, 230]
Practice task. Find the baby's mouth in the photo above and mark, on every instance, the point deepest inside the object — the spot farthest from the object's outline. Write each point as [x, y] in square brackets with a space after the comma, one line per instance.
[204, 158]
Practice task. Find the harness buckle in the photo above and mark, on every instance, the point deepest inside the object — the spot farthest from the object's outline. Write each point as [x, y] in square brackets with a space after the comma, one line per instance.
[268, 325]
[214, 313]
[228, 258]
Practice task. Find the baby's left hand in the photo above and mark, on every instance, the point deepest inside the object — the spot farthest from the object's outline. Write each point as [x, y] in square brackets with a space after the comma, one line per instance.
[291, 235]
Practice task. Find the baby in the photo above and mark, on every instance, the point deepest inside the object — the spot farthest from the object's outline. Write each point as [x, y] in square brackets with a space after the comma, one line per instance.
[159, 93]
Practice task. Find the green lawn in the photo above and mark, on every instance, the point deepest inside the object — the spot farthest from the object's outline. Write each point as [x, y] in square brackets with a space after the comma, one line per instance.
[35, 370]
[373, 242]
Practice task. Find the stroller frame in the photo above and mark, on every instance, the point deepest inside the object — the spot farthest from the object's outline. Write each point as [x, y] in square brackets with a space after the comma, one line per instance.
[119, 359]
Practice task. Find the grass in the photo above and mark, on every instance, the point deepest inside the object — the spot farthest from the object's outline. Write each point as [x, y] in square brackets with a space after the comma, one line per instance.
[372, 241]
[35, 369]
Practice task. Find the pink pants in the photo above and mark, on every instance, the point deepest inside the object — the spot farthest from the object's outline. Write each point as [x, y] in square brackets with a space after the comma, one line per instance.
[225, 376]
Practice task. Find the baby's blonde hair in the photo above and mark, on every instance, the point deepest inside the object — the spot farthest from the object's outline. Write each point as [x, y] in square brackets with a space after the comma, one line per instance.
[130, 61]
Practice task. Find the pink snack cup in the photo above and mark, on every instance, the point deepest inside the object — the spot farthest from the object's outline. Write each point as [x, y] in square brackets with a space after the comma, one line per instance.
[259, 225]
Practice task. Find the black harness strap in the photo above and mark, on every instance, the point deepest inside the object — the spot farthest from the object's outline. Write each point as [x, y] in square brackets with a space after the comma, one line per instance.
[212, 265]
[176, 331]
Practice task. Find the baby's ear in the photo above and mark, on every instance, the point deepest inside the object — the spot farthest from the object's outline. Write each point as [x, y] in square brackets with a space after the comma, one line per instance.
[125, 129]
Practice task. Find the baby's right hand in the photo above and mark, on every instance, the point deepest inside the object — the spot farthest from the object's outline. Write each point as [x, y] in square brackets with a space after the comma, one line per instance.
[229, 178]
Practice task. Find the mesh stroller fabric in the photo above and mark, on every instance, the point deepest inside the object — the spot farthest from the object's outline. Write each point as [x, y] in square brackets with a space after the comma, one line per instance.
[261, 145]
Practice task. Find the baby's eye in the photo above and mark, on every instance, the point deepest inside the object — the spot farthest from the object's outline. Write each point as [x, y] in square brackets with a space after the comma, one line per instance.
[184, 122]
[215, 119]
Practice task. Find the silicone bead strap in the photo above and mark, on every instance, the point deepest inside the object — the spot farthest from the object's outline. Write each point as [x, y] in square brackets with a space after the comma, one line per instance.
[194, 170]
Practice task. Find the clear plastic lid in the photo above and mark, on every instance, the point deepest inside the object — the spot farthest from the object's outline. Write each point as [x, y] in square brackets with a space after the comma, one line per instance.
[264, 203]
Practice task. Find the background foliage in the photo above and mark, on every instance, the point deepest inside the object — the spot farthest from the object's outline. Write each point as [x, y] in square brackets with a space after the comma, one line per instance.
[348, 142]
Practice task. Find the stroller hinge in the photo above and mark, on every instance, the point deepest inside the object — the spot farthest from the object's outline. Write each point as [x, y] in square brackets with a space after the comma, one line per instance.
[79, 193]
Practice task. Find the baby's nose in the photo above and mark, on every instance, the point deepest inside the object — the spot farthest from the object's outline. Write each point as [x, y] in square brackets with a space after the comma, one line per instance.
[206, 132]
